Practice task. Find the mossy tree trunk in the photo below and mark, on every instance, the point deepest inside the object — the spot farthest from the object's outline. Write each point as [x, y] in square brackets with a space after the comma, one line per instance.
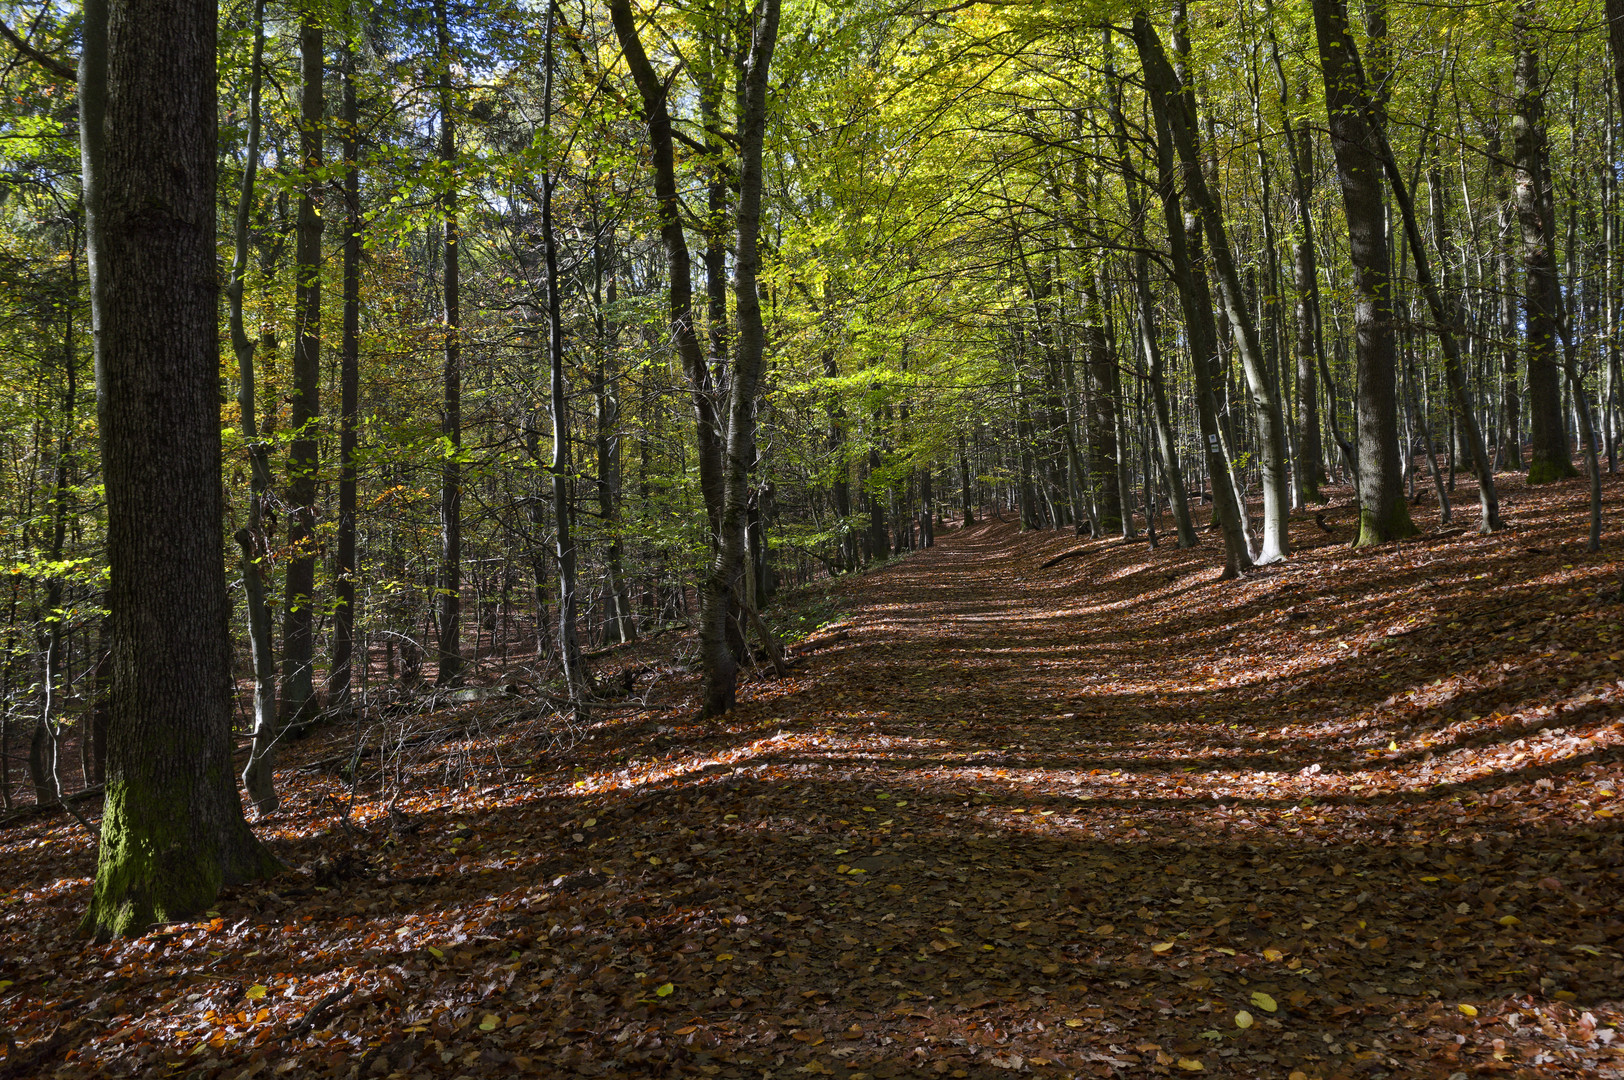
[173, 831]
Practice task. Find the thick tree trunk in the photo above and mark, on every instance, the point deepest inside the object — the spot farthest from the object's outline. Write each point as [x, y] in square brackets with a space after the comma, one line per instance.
[1542, 301]
[1383, 513]
[723, 587]
[298, 705]
[173, 829]
[1189, 277]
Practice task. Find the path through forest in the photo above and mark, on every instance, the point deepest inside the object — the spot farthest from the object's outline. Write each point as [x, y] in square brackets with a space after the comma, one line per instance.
[1355, 816]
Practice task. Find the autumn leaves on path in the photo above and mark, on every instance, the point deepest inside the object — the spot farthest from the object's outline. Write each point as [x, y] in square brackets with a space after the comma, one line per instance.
[1354, 816]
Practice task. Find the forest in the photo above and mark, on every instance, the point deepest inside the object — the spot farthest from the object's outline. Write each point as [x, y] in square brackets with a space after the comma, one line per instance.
[758, 537]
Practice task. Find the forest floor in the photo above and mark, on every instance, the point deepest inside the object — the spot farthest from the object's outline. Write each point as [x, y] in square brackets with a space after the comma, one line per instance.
[1358, 815]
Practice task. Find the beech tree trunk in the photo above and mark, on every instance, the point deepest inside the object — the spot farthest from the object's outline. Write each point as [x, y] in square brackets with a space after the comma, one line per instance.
[1189, 277]
[173, 830]
[1174, 101]
[258, 776]
[449, 584]
[1551, 458]
[298, 620]
[1383, 512]
[340, 680]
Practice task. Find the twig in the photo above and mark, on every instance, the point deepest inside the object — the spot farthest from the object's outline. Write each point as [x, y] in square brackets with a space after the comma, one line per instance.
[1063, 556]
[322, 1005]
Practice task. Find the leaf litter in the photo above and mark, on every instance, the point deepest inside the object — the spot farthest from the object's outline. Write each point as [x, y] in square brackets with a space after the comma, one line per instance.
[1354, 816]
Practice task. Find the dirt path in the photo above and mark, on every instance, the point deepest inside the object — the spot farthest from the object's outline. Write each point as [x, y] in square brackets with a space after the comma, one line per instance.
[1109, 818]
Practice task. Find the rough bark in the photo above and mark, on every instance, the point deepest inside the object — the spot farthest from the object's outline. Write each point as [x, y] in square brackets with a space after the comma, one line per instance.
[173, 830]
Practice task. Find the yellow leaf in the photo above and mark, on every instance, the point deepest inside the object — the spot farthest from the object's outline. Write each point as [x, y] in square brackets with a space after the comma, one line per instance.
[724, 956]
[1604, 812]
[255, 992]
[1392, 744]
[436, 953]
[1509, 920]
[1074, 1023]
[1263, 1001]
[1467, 1010]
[1273, 955]
[1161, 947]
[490, 1023]
[842, 868]
[664, 989]
[1191, 1065]
[1243, 1019]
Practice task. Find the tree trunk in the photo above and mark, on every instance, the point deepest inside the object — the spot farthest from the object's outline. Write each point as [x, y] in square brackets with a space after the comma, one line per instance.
[258, 776]
[298, 704]
[722, 579]
[1175, 102]
[449, 584]
[1383, 513]
[172, 829]
[341, 679]
[1189, 278]
[576, 681]
[1542, 301]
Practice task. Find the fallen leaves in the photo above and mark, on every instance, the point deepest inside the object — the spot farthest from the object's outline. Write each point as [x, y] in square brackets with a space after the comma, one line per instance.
[1161, 806]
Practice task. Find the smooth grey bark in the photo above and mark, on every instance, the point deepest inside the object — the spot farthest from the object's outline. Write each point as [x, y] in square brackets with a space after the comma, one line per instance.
[1551, 458]
[716, 656]
[341, 679]
[1189, 278]
[1164, 84]
[1383, 512]
[298, 704]
[253, 540]
[449, 575]
[620, 624]
[1145, 309]
[577, 683]
[172, 830]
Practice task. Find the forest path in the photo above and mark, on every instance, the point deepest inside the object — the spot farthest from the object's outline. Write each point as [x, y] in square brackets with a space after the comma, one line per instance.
[1358, 815]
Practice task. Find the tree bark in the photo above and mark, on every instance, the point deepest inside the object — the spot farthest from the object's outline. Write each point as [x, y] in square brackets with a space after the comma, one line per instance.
[722, 580]
[1164, 84]
[1383, 512]
[173, 830]
[341, 679]
[298, 706]
[1189, 278]
[449, 585]
[258, 776]
[1551, 458]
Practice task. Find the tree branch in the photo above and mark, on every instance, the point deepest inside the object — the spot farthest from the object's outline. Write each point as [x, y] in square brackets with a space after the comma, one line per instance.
[51, 64]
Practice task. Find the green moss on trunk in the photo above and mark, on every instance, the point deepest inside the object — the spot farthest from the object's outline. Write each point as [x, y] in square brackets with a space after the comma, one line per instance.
[1547, 470]
[1377, 528]
[159, 863]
